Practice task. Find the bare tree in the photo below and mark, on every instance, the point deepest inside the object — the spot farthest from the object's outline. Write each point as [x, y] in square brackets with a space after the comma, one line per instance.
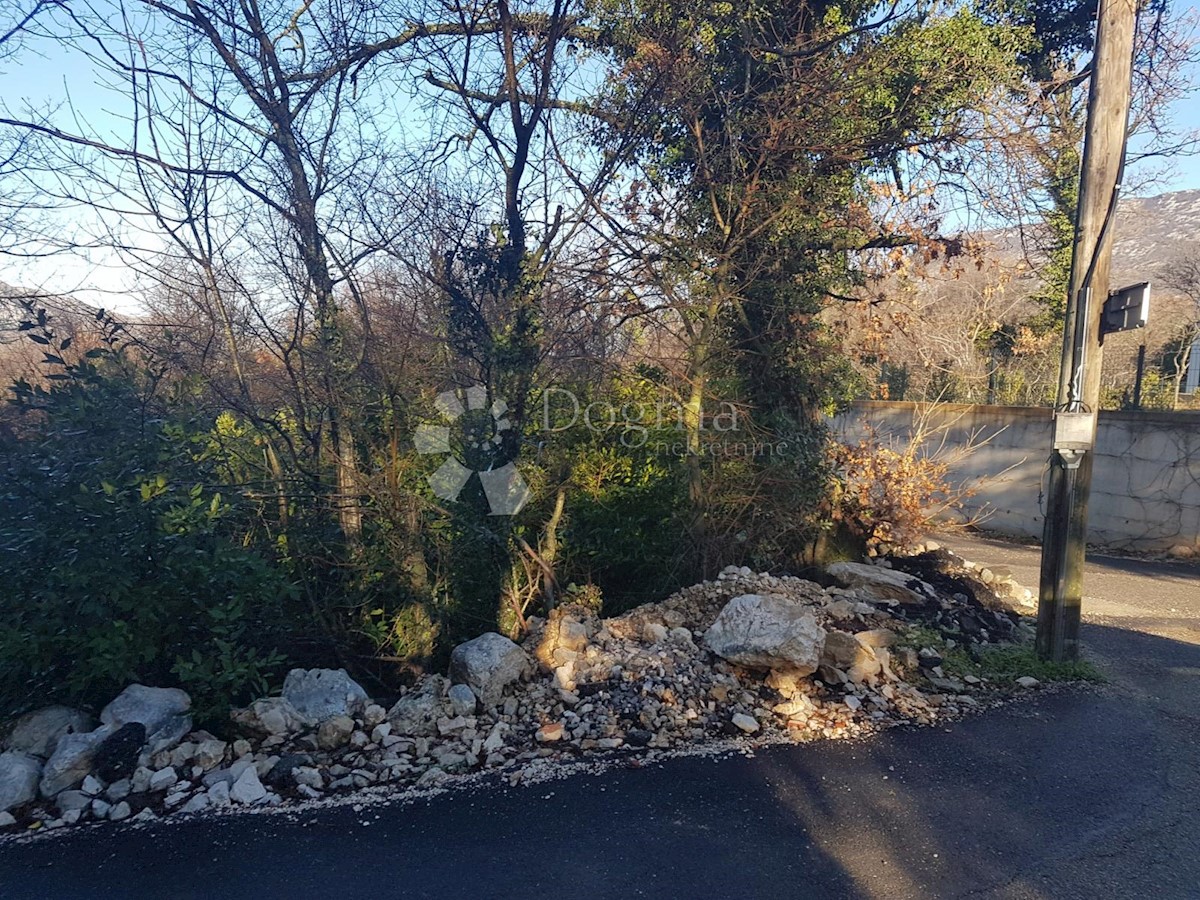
[1183, 275]
[251, 132]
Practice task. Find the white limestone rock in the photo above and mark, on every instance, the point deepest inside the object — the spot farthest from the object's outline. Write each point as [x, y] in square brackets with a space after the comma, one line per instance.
[745, 723]
[766, 631]
[335, 732]
[247, 789]
[120, 812]
[319, 694]
[162, 710]
[270, 717]
[488, 664]
[37, 733]
[19, 776]
[462, 700]
[882, 583]
[72, 761]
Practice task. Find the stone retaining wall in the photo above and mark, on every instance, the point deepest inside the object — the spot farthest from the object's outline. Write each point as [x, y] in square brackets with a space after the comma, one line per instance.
[1146, 487]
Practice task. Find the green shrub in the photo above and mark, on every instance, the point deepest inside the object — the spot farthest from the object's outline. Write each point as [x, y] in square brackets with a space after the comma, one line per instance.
[622, 529]
[114, 560]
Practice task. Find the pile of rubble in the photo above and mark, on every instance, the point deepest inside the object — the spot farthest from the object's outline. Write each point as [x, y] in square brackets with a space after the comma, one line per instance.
[776, 657]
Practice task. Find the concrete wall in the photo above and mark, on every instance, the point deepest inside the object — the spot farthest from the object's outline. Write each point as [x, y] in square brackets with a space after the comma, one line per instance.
[1146, 484]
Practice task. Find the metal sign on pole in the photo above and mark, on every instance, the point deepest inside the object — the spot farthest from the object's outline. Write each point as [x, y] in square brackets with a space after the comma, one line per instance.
[1126, 309]
[1065, 527]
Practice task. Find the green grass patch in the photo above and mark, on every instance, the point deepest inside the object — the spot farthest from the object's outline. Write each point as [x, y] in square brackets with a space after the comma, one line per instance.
[918, 636]
[1004, 663]
[1012, 662]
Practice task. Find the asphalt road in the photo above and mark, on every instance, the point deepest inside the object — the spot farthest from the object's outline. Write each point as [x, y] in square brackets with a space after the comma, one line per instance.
[1078, 794]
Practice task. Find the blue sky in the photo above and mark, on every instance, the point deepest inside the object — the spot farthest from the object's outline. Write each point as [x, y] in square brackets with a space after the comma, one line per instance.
[49, 75]
[1184, 113]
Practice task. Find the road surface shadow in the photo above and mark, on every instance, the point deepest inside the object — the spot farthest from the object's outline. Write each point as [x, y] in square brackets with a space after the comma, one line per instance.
[1073, 793]
[1143, 566]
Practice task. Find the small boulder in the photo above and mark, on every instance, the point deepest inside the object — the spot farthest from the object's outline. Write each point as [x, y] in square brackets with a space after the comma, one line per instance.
[118, 791]
[73, 760]
[567, 628]
[334, 732]
[765, 631]
[654, 633]
[320, 694]
[488, 664]
[169, 734]
[495, 738]
[799, 707]
[210, 753]
[196, 804]
[19, 774]
[877, 637]
[373, 715]
[462, 700]
[183, 754]
[37, 733]
[417, 712]
[850, 654]
[218, 794]
[162, 710]
[745, 723]
[308, 776]
[866, 668]
[247, 789]
[638, 737]
[282, 774]
[882, 583]
[120, 812]
[841, 650]
[72, 800]
[270, 716]
[140, 782]
[947, 685]
[787, 682]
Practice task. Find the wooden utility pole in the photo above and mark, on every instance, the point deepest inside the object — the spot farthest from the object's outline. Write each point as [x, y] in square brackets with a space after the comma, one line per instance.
[1065, 529]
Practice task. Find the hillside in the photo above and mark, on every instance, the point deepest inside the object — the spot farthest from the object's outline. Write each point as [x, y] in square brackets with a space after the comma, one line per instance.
[1148, 231]
[1151, 230]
